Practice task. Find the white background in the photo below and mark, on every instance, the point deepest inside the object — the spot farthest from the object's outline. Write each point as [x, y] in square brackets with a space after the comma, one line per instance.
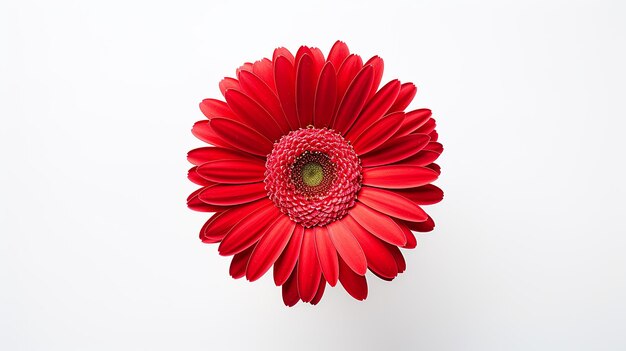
[99, 252]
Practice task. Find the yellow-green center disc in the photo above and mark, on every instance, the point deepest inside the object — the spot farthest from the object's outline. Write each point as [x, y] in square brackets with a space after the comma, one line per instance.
[312, 174]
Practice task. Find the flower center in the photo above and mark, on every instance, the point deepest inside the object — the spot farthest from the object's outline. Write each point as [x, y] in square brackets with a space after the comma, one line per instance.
[313, 175]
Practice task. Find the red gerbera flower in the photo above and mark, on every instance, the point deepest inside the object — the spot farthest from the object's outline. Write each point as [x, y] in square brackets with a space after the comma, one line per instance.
[314, 170]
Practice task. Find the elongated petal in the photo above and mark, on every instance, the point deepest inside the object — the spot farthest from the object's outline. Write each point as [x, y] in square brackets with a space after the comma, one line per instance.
[194, 202]
[426, 226]
[309, 272]
[221, 223]
[379, 259]
[239, 263]
[375, 109]
[260, 92]
[290, 290]
[235, 194]
[354, 100]
[248, 231]
[203, 131]
[327, 255]
[407, 93]
[380, 225]
[391, 203]
[411, 241]
[424, 195]
[270, 247]
[228, 83]
[253, 115]
[233, 171]
[306, 81]
[320, 292]
[325, 97]
[422, 158]
[355, 285]
[207, 154]
[341, 234]
[285, 78]
[377, 133]
[242, 136]
[397, 176]
[196, 178]
[397, 255]
[264, 69]
[395, 150]
[281, 51]
[379, 66]
[413, 120]
[350, 67]
[338, 53]
[212, 108]
[427, 127]
[287, 261]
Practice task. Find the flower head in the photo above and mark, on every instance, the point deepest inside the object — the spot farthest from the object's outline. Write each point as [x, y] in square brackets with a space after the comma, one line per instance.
[315, 171]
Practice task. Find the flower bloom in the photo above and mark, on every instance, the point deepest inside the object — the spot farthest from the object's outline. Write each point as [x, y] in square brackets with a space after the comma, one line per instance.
[315, 171]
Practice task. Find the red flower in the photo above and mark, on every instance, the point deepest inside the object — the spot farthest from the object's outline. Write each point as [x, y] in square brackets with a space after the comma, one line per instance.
[314, 170]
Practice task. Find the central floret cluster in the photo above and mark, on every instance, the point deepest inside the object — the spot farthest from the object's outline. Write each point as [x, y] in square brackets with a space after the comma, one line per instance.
[313, 175]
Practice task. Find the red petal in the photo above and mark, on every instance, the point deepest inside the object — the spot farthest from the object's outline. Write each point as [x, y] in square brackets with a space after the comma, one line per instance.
[240, 262]
[283, 52]
[434, 136]
[355, 284]
[203, 131]
[318, 61]
[425, 226]
[346, 73]
[287, 261]
[399, 259]
[228, 83]
[320, 292]
[392, 204]
[196, 178]
[424, 195]
[375, 109]
[305, 90]
[427, 127]
[241, 136]
[253, 115]
[354, 100]
[194, 202]
[396, 176]
[407, 93]
[411, 241]
[338, 53]
[379, 259]
[228, 195]
[379, 132]
[285, 78]
[254, 87]
[290, 290]
[270, 247]
[221, 223]
[248, 230]
[233, 171]
[309, 272]
[215, 108]
[434, 146]
[206, 154]
[379, 66]
[395, 150]
[264, 69]
[325, 97]
[435, 167]
[422, 158]
[413, 120]
[341, 234]
[327, 255]
[382, 226]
